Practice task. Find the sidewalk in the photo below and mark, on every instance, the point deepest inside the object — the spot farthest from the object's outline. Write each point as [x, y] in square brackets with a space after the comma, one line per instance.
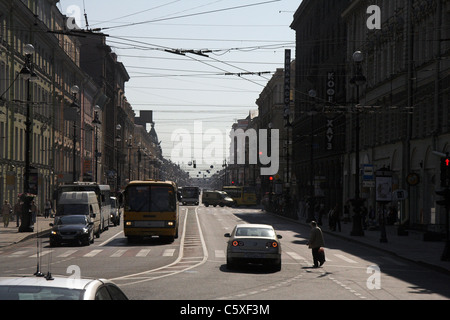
[410, 247]
[11, 235]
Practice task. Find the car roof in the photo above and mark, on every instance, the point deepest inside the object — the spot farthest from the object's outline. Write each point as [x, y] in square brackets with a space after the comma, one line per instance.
[253, 225]
[57, 282]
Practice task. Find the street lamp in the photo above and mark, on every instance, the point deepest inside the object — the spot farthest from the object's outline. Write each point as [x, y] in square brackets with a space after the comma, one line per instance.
[74, 90]
[28, 74]
[118, 140]
[358, 80]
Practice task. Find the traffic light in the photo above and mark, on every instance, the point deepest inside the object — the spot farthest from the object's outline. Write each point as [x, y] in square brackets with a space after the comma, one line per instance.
[446, 200]
[271, 178]
[445, 172]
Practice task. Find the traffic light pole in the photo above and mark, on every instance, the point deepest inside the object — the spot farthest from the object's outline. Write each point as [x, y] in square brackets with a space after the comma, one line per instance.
[445, 192]
[446, 254]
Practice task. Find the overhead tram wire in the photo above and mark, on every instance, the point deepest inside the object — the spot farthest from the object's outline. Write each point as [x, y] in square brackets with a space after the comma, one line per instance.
[189, 15]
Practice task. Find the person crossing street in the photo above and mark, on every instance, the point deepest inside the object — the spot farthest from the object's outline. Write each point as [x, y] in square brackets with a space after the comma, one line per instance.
[315, 243]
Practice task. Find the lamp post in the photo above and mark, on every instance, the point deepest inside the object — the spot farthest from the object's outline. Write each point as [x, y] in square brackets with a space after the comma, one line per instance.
[118, 140]
[74, 90]
[28, 74]
[357, 80]
[96, 123]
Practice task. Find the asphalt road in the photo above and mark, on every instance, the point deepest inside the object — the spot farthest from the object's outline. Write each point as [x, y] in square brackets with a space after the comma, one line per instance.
[193, 267]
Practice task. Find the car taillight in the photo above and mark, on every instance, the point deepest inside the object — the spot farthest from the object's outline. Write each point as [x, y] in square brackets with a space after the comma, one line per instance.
[272, 244]
[236, 243]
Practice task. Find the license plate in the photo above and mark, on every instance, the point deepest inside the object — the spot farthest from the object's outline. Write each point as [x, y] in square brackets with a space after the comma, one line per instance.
[254, 255]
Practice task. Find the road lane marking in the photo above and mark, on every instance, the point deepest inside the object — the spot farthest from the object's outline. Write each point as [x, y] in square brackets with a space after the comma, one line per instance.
[345, 258]
[41, 254]
[168, 252]
[110, 239]
[67, 253]
[119, 253]
[295, 256]
[18, 253]
[219, 253]
[143, 253]
[93, 253]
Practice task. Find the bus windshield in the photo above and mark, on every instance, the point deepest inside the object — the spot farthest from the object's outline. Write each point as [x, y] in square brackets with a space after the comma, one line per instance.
[150, 198]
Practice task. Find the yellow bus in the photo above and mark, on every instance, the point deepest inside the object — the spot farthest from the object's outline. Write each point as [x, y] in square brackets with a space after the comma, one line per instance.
[151, 209]
[242, 196]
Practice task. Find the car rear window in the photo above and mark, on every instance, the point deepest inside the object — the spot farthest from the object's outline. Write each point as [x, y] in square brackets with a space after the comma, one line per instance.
[255, 232]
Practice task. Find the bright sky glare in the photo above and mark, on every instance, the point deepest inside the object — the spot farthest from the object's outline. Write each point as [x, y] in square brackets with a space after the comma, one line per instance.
[237, 36]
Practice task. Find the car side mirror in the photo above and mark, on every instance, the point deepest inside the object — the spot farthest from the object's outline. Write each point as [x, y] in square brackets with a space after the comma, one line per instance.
[279, 237]
[50, 224]
[227, 235]
[91, 223]
[93, 215]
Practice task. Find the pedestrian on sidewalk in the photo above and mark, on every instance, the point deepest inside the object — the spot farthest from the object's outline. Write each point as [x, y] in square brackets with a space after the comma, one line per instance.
[18, 211]
[337, 217]
[47, 208]
[6, 212]
[33, 210]
[315, 242]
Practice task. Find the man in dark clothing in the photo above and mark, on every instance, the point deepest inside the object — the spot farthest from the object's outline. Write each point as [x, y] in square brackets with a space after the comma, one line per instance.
[315, 243]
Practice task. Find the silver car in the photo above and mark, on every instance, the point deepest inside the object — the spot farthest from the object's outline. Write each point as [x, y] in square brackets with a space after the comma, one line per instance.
[254, 243]
[59, 288]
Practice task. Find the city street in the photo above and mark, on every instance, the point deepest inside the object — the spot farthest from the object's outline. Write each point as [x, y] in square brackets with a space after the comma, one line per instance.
[193, 267]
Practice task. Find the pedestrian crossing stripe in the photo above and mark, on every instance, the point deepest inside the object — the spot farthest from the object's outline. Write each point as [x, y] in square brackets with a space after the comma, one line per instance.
[67, 253]
[168, 252]
[118, 253]
[219, 254]
[143, 253]
[345, 258]
[93, 253]
[295, 256]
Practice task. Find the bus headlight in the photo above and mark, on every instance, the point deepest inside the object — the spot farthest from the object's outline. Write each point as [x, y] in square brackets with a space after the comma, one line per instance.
[129, 223]
[170, 223]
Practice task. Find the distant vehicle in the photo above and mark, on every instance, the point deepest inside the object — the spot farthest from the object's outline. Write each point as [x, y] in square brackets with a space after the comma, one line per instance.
[72, 229]
[190, 195]
[243, 196]
[59, 288]
[80, 203]
[103, 193]
[253, 243]
[115, 211]
[216, 197]
[151, 209]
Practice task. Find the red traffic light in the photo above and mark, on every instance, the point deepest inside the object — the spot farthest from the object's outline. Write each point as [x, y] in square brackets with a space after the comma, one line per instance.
[271, 178]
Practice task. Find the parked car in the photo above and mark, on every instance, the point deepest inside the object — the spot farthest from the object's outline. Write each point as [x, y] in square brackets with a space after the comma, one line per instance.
[58, 288]
[72, 229]
[115, 211]
[253, 243]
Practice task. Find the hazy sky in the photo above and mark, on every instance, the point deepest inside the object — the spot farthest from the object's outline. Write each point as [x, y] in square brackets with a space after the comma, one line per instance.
[192, 93]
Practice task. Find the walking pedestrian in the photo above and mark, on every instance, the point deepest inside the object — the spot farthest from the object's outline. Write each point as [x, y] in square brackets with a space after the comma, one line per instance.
[47, 208]
[315, 243]
[6, 212]
[33, 210]
[337, 217]
[18, 211]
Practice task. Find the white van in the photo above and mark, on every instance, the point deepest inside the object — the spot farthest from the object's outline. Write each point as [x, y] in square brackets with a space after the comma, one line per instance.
[215, 197]
[80, 202]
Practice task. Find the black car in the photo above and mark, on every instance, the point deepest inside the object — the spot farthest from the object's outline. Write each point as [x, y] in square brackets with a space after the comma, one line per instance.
[72, 229]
